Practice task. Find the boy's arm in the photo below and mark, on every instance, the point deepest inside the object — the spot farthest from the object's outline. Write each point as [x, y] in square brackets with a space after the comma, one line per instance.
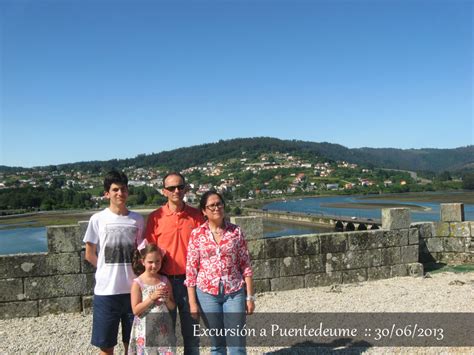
[91, 253]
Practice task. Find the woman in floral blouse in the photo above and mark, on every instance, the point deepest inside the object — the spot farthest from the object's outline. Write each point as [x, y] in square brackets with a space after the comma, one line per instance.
[219, 276]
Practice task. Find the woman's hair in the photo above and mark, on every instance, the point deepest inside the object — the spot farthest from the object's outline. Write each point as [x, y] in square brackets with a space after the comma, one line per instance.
[205, 197]
[140, 255]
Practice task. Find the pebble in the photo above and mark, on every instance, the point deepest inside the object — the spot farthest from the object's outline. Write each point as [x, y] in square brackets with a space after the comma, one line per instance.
[70, 333]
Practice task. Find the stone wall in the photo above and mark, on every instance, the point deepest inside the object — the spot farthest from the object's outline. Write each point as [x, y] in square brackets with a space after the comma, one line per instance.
[54, 282]
[61, 281]
[333, 258]
[449, 241]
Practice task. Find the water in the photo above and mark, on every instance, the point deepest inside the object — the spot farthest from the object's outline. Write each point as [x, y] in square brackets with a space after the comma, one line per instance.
[23, 240]
[316, 206]
[273, 229]
[33, 240]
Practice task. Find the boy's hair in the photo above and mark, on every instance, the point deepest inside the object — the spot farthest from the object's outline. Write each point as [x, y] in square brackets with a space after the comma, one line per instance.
[140, 255]
[114, 177]
[174, 173]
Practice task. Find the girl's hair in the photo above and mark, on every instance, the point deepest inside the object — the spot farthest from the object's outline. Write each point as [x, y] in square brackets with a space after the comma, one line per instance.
[139, 255]
[205, 197]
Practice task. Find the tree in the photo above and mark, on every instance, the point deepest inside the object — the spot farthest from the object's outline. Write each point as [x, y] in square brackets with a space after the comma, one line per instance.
[468, 181]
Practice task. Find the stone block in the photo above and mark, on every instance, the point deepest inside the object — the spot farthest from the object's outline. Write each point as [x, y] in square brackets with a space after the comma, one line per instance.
[456, 244]
[256, 249]
[55, 286]
[333, 243]
[452, 258]
[440, 229]
[410, 254]
[307, 245]
[361, 259]
[399, 270]
[379, 273]
[18, 309]
[334, 262]
[413, 236]
[279, 247]
[252, 226]
[452, 212]
[391, 256]
[294, 265]
[262, 286]
[366, 240]
[59, 305]
[425, 229]
[287, 283]
[64, 239]
[396, 238]
[354, 276]
[460, 229]
[82, 227]
[11, 290]
[86, 267]
[266, 269]
[415, 269]
[317, 263]
[87, 303]
[23, 265]
[323, 279]
[396, 218]
[434, 245]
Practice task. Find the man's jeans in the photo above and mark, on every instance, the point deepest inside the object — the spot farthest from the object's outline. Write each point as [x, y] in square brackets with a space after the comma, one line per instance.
[224, 312]
[180, 293]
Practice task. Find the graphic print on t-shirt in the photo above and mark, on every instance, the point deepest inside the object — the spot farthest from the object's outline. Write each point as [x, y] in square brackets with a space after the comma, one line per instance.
[119, 243]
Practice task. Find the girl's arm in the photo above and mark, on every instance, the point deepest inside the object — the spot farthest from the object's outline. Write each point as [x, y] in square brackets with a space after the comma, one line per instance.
[169, 300]
[140, 306]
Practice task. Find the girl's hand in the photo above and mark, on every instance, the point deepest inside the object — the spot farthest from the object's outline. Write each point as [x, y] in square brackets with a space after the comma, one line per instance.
[162, 291]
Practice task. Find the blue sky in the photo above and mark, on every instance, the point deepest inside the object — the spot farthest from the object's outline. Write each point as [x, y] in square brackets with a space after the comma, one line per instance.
[98, 80]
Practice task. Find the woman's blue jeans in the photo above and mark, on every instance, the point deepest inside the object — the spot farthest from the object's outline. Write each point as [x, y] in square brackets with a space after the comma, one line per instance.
[224, 313]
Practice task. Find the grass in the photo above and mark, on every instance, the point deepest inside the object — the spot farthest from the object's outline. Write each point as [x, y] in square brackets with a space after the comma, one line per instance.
[434, 268]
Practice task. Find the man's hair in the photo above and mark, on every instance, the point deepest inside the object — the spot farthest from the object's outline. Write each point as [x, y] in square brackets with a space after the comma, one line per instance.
[174, 173]
[114, 177]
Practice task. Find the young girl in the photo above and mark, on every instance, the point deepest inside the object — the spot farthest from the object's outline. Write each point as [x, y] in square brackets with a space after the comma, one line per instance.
[152, 298]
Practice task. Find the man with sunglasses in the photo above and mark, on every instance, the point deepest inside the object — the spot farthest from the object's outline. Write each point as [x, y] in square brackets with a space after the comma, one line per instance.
[170, 228]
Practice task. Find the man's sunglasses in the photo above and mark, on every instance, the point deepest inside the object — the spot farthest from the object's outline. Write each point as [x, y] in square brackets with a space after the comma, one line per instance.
[173, 188]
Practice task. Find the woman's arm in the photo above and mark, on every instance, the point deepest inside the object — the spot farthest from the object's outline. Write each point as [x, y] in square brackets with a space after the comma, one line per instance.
[250, 305]
[193, 303]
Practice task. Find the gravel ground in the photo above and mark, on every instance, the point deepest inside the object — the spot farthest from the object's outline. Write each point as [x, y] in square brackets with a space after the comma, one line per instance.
[442, 292]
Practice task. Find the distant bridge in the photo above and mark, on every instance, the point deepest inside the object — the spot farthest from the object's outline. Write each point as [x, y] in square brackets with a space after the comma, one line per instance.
[339, 223]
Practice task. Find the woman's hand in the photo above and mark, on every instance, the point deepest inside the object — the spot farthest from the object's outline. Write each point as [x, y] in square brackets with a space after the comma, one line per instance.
[250, 307]
[194, 310]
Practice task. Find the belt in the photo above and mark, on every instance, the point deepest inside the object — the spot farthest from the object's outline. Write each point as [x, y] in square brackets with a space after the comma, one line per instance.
[176, 277]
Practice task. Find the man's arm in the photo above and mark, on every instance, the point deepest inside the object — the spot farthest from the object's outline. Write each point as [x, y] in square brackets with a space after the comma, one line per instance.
[91, 253]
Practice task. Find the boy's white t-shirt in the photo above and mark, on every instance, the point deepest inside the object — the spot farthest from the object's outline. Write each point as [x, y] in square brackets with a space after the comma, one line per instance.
[116, 237]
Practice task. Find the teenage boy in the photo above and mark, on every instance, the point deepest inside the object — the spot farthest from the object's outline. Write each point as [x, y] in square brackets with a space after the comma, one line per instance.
[111, 237]
[170, 227]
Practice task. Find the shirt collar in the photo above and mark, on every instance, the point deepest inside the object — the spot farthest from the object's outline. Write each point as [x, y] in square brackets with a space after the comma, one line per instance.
[168, 212]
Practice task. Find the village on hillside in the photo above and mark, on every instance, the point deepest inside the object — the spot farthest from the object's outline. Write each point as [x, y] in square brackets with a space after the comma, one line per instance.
[275, 175]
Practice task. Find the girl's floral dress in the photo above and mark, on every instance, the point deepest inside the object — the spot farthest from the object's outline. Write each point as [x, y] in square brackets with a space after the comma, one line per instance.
[152, 332]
